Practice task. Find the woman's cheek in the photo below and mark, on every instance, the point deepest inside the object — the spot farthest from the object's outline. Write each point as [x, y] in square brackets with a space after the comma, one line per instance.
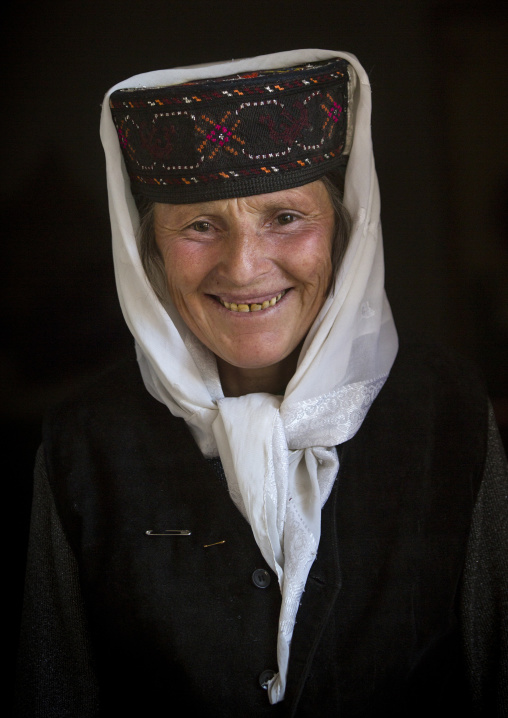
[311, 257]
[181, 263]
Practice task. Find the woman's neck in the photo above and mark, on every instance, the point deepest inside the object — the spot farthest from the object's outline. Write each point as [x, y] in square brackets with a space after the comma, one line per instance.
[237, 381]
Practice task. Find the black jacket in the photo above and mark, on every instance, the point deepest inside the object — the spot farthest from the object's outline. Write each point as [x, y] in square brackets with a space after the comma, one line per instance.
[405, 609]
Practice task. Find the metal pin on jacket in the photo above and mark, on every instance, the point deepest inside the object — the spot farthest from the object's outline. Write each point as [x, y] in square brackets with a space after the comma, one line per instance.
[169, 532]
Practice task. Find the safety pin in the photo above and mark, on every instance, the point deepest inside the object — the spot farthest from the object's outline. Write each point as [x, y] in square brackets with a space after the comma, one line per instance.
[169, 532]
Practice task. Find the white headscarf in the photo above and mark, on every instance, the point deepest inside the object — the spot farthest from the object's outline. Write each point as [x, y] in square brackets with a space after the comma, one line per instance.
[281, 474]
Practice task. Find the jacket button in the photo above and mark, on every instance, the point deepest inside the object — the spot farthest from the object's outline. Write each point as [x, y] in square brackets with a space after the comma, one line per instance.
[261, 578]
[265, 678]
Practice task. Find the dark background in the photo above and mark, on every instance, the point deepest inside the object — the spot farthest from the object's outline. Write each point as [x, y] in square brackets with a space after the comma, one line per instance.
[437, 70]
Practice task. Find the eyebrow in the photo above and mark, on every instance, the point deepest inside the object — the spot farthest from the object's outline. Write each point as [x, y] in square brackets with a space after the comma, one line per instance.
[282, 203]
[208, 207]
[286, 201]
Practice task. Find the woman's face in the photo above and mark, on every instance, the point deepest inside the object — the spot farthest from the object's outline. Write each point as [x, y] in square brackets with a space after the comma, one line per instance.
[249, 275]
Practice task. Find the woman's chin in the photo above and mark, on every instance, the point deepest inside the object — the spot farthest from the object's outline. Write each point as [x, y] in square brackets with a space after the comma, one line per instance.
[267, 372]
[250, 363]
[256, 361]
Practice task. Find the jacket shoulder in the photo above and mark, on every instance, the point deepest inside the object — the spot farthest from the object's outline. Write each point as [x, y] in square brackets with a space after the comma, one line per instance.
[435, 362]
[431, 378]
[117, 398]
[117, 385]
[433, 409]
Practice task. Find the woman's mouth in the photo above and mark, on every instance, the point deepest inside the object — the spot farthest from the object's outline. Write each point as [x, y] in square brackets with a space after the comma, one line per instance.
[255, 307]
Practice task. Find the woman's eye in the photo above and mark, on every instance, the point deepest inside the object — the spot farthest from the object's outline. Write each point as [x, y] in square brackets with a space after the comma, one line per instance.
[286, 218]
[201, 226]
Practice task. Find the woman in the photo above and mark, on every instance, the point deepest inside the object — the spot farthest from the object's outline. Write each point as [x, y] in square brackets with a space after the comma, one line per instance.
[356, 565]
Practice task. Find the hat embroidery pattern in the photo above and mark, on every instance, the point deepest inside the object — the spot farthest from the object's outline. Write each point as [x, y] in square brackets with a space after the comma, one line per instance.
[233, 128]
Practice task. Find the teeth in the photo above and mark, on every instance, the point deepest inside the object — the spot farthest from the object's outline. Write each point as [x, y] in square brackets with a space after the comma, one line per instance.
[233, 307]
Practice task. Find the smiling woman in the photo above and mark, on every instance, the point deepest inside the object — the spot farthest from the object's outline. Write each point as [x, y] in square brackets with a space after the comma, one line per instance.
[274, 511]
[249, 276]
[152, 260]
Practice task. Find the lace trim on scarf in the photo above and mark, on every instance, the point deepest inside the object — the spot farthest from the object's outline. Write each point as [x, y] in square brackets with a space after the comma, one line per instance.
[331, 418]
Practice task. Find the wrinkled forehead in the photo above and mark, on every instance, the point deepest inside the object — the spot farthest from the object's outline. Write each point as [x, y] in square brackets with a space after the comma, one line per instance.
[312, 200]
[236, 136]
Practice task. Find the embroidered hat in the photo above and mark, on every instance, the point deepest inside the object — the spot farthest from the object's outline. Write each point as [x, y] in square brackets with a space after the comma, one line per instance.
[234, 136]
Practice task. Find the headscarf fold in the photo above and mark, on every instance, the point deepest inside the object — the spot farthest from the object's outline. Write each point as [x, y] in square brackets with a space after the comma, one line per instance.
[278, 453]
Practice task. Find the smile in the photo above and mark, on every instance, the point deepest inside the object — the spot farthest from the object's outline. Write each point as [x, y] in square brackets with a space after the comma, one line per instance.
[239, 307]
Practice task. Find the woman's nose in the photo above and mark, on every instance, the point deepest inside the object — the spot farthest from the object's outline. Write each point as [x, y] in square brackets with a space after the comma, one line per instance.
[244, 258]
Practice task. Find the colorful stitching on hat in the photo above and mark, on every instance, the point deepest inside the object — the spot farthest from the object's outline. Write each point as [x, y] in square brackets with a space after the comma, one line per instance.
[242, 127]
[222, 137]
[207, 95]
[245, 172]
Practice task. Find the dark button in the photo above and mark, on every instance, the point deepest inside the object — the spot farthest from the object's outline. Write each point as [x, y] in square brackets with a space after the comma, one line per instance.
[261, 578]
[265, 678]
